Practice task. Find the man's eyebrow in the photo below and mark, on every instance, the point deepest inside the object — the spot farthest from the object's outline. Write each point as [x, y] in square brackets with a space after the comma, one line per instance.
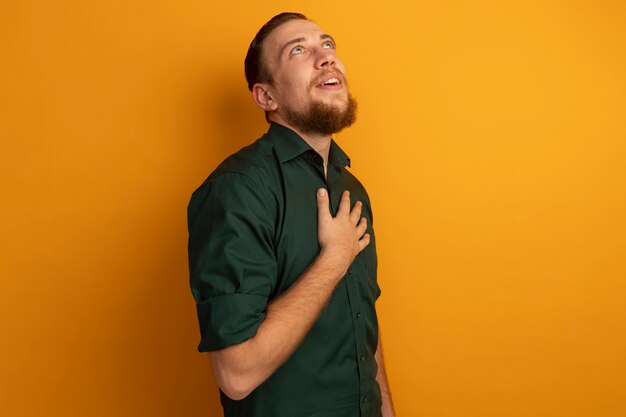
[327, 36]
[323, 36]
[291, 42]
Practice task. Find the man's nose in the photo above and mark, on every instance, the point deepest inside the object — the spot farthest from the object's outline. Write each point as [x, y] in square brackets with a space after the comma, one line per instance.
[326, 58]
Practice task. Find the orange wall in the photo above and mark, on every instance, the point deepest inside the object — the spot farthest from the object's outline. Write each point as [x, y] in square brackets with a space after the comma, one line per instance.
[491, 139]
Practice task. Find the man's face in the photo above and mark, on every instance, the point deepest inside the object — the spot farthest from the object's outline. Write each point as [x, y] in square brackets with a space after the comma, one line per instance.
[308, 79]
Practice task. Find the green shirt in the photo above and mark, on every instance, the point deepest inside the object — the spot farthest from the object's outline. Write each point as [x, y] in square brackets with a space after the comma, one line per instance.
[252, 233]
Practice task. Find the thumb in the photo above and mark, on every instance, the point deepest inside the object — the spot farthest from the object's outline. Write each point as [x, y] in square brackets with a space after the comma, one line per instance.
[323, 212]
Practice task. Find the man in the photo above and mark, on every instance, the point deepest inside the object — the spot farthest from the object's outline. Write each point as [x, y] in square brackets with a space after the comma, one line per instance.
[281, 249]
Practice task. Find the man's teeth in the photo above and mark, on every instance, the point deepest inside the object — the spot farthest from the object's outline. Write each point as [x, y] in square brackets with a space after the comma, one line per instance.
[332, 81]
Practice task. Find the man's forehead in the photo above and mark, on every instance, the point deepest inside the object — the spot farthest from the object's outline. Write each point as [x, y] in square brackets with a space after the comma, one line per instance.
[294, 29]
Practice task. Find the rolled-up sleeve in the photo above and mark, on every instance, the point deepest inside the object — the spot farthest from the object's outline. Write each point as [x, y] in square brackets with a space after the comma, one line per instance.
[232, 261]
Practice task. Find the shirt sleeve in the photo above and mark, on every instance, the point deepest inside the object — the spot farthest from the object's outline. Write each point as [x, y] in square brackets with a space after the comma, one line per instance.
[231, 258]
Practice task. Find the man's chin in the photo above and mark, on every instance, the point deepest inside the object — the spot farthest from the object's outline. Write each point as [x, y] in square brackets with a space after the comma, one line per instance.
[325, 118]
[337, 100]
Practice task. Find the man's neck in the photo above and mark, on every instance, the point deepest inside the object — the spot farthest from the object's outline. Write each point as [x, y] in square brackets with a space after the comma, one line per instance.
[320, 143]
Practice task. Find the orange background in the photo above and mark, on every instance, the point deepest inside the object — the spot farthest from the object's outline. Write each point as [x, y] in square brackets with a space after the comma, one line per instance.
[491, 139]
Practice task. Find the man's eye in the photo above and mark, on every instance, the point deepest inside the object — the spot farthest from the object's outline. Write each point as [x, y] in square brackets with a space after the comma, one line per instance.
[328, 45]
[297, 50]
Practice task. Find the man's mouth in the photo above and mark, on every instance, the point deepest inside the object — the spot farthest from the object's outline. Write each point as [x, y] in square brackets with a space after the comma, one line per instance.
[332, 81]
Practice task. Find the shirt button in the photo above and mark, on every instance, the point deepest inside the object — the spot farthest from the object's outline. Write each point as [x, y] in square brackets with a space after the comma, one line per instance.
[365, 399]
[362, 358]
[358, 315]
[349, 271]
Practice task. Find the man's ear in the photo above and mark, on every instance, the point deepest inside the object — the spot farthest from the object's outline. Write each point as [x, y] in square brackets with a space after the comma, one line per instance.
[263, 98]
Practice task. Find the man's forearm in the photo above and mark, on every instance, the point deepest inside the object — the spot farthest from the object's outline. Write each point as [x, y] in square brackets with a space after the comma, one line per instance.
[381, 378]
[239, 369]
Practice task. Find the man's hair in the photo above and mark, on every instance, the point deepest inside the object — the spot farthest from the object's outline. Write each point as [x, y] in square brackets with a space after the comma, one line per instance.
[255, 65]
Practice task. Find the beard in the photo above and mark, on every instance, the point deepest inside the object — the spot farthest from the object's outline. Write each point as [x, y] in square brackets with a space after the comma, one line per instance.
[322, 118]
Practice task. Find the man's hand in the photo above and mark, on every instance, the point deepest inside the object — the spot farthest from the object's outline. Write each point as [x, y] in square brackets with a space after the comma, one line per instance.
[343, 237]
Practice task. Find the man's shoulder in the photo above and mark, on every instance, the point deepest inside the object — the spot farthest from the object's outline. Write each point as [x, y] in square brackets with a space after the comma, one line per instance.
[252, 167]
[255, 160]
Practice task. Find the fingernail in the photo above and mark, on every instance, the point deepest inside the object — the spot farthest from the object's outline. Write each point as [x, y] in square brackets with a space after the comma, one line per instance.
[321, 192]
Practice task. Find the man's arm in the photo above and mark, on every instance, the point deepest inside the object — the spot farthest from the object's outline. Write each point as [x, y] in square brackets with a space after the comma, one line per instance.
[240, 368]
[381, 378]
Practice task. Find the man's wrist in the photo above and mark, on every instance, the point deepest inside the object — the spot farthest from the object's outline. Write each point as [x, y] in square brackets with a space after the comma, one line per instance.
[331, 265]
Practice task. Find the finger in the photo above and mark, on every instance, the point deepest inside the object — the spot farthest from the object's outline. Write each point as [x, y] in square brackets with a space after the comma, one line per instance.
[355, 213]
[344, 203]
[361, 228]
[323, 212]
[365, 240]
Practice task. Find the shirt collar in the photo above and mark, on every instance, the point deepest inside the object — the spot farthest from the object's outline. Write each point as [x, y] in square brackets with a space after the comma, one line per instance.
[288, 145]
[337, 156]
